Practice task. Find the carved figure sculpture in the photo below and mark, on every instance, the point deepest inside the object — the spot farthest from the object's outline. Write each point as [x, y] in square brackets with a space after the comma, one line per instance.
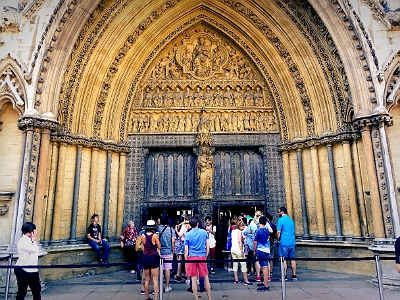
[228, 97]
[218, 100]
[205, 170]
[177, 98]
[248, 97]
[237, 97]
[198, 98]
[208, 97]
[201, 62]
[258, 97]
[187, 98]
[157, 98]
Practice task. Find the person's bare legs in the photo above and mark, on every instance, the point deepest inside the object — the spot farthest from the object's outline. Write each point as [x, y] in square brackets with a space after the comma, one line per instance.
[167, 275]
[258, 268]
[154, 274]
[265, 271]
[245, 278]
[146, 283]
[179, 268]
[294, 267]
[207, 286]
[194, 287]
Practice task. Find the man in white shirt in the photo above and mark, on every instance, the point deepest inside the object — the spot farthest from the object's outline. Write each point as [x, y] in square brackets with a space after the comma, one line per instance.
[211, 238]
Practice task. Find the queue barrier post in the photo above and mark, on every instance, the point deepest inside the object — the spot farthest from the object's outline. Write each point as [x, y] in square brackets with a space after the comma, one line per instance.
[379, 275]
[283, 281]
[160, 276]
[7, 288]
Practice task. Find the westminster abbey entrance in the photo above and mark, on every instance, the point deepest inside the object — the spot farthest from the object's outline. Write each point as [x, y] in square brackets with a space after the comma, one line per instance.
[204, 135]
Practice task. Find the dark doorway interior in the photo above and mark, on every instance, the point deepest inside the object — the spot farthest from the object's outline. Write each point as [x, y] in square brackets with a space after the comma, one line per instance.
[174, 213]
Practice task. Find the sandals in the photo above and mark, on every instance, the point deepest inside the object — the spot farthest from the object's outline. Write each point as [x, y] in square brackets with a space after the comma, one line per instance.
[236, 282]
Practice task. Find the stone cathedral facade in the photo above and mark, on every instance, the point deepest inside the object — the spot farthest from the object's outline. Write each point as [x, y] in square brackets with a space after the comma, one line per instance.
[126, 108]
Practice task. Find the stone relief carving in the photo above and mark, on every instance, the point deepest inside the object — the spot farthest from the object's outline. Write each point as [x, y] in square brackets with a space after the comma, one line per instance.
[10, 18]
[201, 71]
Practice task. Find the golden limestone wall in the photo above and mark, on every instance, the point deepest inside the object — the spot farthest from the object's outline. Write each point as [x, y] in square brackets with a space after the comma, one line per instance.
[92, 187]
[354, 207]
[11, 147]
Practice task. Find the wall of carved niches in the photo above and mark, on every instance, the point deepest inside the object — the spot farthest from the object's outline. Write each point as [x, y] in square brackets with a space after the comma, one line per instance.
[202, 72]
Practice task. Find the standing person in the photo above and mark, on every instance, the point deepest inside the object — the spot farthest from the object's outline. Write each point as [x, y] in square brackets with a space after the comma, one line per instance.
[262, 246]
[256, 225]
[397, 253]
[287, 241]
[211, 237]
[237, 252]
[181, 230]
[197, 247]
[151, 257]
[249, 233]
[272, 239]
[28, 255]
[167, 241]
[95, 241]
[128, 242]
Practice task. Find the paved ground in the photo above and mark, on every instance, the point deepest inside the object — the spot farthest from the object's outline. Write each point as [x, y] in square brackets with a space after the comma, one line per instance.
[310, 285]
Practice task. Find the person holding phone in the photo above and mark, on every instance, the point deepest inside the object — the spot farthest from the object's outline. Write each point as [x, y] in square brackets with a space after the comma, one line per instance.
[28, 255]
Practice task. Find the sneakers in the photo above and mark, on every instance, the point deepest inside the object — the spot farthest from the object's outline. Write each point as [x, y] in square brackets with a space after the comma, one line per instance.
[178, 279]
[269, 278]
[153, 292]
[132, 271]
[248, 273]
[260, 284]
[294, 277]
[236, 282]
[212, 272]
[230, 270]
[142, 292]
[285, 278]
[189, 289]
[263, 289]
[248, 283]
[258, 278]
[168, 289]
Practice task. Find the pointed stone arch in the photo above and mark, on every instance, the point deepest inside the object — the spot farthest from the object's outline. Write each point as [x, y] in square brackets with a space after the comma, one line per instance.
[12, 85]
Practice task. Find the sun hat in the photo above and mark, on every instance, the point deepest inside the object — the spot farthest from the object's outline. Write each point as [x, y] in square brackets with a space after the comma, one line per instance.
[151, 223]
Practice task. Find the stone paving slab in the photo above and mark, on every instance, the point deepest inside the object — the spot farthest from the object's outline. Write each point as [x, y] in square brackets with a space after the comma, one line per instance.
[311, 285]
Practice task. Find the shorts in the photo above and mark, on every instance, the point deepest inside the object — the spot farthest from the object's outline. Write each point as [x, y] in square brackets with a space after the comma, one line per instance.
[196, 267]
[262, 258]
[212, 253]
[151, 261]
[168, 265]
[287, 251]
[235, 264]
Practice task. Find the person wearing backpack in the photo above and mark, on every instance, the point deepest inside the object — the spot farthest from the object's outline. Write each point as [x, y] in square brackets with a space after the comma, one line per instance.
[167, 241]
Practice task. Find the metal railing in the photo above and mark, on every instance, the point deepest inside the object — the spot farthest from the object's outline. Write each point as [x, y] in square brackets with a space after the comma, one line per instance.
[281, 260]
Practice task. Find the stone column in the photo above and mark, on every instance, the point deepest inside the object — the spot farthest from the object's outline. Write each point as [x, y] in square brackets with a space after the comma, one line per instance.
[373, 183]
[318, 194]
[93, 184]
[107, 194]
[360, 191]
[335, 196]
[121, 192]
[391, 185]
[77, 180]
[52, 188]
[42, 177]
[20, 211]
[55, 234]
[352, 191]
[288, 185]
[306, 234]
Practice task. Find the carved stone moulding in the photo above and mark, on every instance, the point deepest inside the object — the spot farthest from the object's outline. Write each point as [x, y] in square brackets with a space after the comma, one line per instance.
[37, 123]
[4, 198]
[90, 143]
[318, 141]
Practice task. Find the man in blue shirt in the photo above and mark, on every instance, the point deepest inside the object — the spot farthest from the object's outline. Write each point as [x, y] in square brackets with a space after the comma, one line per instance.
[286, 237]
[197, 247]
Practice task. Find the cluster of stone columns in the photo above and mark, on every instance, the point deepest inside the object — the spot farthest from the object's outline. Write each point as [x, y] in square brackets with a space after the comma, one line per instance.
[359, 200]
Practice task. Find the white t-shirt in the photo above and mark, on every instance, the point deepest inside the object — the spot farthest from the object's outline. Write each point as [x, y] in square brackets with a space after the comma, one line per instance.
[28, 253]
[235, 242]
[211, 237]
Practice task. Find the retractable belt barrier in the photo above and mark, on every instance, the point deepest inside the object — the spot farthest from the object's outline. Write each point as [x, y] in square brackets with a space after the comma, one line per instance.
[281, 260]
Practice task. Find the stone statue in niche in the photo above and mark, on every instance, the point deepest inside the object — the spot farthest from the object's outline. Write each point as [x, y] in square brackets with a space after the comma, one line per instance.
[218, 99]
[198, 98]
[208, 97]
[237, 97]
[228, 97]
[177, 98]
[248, 97]
[187, 98]
[205, 172]
[147, 98]
[258, 97]
[157, 98]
